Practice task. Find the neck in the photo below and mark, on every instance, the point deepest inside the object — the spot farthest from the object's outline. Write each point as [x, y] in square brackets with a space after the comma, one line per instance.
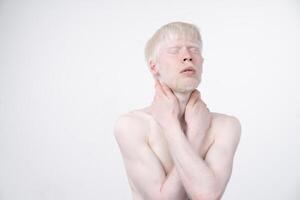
[183, 98]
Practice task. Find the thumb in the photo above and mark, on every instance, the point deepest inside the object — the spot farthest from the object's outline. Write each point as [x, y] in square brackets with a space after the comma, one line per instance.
[193, 97]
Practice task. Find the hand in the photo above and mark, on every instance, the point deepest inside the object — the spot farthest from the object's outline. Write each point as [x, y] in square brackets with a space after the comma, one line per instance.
[165, 106]
[197, 116]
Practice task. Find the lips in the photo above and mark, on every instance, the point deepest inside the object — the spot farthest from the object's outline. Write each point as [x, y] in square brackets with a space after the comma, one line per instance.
[188, 69]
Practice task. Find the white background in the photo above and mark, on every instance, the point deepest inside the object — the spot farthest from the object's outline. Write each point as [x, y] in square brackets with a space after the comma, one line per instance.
[68, 69]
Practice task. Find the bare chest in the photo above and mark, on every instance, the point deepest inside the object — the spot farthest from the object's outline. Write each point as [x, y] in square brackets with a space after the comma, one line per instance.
[159, 146]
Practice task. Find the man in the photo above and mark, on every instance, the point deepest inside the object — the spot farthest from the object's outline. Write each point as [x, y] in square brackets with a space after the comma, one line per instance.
[176, 149]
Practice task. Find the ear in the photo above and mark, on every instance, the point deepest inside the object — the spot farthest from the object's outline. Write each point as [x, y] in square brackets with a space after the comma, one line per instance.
[153, 68]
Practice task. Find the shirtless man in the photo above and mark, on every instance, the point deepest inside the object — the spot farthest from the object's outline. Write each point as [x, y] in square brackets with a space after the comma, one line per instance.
[176, 149]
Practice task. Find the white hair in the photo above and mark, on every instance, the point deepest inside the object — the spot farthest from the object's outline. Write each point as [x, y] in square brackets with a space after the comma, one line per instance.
[170, 31]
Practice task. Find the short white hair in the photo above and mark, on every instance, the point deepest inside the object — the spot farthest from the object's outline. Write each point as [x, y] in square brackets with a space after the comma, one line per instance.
[170, 31]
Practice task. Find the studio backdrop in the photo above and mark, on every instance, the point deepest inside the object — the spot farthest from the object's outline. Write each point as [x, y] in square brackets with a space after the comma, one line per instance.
[68, 69]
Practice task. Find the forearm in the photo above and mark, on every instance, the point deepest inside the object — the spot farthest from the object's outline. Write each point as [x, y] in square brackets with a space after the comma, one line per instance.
[197, 178]
[196, 140]
[172, 187]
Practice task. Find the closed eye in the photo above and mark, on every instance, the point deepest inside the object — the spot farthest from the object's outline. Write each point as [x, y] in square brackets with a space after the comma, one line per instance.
[195, 49]
[173, 50]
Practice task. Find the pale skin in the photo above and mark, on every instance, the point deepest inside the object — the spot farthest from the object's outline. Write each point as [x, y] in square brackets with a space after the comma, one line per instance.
[181, 150]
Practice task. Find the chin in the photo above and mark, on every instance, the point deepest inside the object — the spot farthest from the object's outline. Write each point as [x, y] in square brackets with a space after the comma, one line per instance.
[186, 85]
[185, 89]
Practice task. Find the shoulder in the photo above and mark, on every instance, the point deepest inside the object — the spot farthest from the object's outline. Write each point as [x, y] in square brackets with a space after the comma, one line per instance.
[226, 119]
[130, 126]
[225, 125]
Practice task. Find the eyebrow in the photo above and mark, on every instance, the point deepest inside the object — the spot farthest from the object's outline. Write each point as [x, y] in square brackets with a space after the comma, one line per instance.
[189, 46]
[170, 47]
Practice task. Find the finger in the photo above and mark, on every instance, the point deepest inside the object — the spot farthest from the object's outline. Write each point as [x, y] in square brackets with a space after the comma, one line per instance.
[159, 87]
[167, 90]
[194, 95]
[156, 83]
[197, 92]
[194, 99]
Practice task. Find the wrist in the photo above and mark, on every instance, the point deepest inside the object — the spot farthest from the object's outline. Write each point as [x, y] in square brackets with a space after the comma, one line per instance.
[194, 136]
[173, 130]
[196, 143]
[174, 126]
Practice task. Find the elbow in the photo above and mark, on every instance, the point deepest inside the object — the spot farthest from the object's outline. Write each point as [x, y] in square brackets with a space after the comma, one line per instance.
[159, 197]
[212, 195]
[162, 196]
[156, 195]
[204, 197]
[153, 197]
[166, 195]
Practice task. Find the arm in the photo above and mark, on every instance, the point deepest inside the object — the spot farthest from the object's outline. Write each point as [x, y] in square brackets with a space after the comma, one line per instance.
[142, 165]
[221, 154]
[173, 182]
[173, 176]
[205, 179]
[201, 179]
[197, 178]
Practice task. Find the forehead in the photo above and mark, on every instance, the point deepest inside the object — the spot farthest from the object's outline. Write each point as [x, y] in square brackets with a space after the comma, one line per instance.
[179, 42]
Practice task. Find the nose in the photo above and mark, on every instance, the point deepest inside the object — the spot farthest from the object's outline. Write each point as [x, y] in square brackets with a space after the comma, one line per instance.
[186, 56]
[185, 59]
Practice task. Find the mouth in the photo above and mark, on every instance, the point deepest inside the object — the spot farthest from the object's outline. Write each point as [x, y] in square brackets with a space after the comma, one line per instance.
[189, 70]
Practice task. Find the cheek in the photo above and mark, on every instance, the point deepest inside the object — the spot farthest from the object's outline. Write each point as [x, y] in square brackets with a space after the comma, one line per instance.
[198, 64]
[167, 68]
[164, 63]
[168, 74]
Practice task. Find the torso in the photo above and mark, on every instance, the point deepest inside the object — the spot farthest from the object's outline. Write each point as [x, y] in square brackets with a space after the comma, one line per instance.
[158, 144]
